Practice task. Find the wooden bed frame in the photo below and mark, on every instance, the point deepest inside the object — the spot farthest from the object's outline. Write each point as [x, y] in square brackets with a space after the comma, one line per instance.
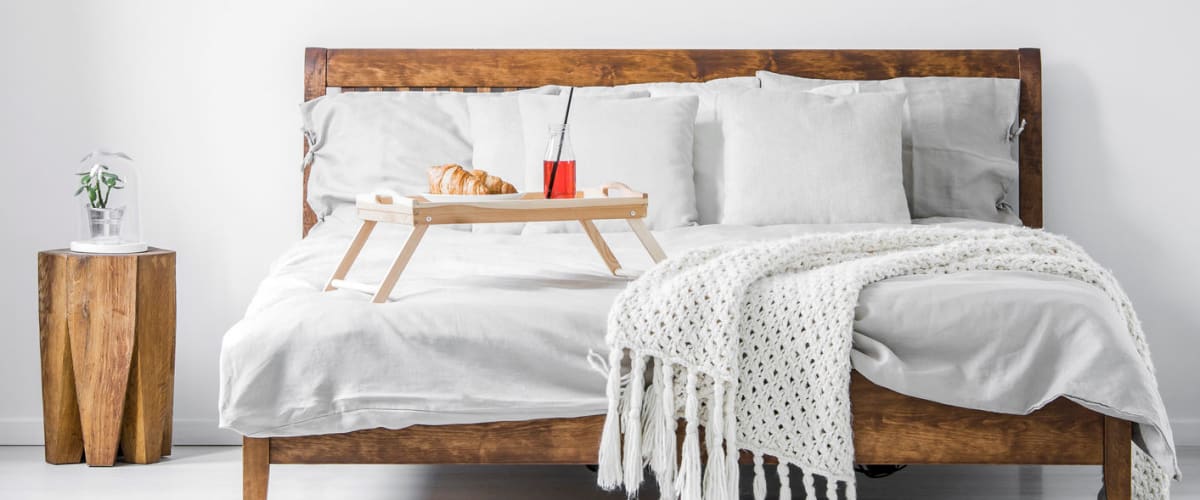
[889, 428]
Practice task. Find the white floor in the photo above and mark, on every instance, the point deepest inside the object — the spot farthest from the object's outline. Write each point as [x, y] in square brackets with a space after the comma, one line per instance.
[214, 473]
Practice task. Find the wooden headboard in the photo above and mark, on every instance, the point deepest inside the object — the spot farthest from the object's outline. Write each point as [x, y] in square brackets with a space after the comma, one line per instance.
[478, 70]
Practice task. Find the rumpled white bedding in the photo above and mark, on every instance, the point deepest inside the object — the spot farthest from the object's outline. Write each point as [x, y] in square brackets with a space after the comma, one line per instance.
[487, 327]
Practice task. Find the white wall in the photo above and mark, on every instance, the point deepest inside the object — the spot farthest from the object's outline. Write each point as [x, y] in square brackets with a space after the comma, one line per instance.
[203, 94]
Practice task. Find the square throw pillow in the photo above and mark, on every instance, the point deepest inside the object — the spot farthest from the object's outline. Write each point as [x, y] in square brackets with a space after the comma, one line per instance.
[805, 158]
[645, 143]
[498, 137]
[709, 149]
[959, 158]
[362, 141]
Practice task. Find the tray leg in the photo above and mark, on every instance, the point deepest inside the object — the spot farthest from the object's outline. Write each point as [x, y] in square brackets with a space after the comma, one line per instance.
[393, 274]
[610, 260]
[351, 255]
[647, 239]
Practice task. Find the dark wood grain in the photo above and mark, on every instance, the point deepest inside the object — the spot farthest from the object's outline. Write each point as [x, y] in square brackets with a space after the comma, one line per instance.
[145, 428]
[435, 68]
[60, 409]
[256, 468]
[1030, 204]
[888, 428]
[315, 60]
[100, 323]
[108, 339]
[545, 441]
[487, 70]
[1118, 459]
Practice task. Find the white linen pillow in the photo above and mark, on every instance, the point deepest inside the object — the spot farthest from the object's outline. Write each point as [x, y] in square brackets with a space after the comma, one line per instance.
[959, 159]
[645, 143]
[498, 138]
[805, 158]
[362, 141]
[709, 150]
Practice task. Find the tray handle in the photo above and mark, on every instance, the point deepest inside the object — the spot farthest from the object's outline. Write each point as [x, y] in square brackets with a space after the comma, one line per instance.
[623, 187]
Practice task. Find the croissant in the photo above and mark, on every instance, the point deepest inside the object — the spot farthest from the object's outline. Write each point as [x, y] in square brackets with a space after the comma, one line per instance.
[453, 179]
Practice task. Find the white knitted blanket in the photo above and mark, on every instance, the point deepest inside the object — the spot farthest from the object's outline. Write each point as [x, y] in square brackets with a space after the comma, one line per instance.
[753, 342]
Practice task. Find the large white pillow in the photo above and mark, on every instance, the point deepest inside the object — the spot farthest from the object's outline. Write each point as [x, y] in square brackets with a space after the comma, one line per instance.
[960, 159]
[805, 158]
[361, 141]
[645, 143]
[709, 149]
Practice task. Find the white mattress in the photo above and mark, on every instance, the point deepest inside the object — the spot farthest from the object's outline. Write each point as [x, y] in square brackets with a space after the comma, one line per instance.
[487, 327]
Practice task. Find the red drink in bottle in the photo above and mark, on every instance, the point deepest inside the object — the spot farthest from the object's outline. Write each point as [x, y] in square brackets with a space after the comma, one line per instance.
[559, 151]
[564, 179]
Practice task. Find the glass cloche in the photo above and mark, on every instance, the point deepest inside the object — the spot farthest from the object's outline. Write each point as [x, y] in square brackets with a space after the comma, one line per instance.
[106, 187]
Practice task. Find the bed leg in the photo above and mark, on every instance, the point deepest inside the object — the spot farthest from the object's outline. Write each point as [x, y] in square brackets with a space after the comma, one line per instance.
[1118, 462]
[256, 467]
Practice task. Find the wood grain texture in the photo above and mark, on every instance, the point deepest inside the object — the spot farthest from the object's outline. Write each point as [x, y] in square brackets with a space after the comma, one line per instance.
[648, 242]
[520, 68]
[149, 396]
[400, 262]
[1118, 459]
[470, 215]
[60, 411]
[888, 428]
[108, 340]
[546, 441]
[606, 254]
[504, 70]
[314, 86]
[1030, 204]
[352, 251]
[100, 323]
[256, 468]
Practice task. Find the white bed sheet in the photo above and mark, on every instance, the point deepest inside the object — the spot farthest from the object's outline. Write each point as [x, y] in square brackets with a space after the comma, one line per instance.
[487, 327]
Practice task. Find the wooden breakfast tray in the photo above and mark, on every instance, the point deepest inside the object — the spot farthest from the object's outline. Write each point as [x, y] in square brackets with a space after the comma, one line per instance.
[612, 201]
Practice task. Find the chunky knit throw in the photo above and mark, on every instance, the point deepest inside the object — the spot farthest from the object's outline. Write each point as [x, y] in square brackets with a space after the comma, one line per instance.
[753, 342]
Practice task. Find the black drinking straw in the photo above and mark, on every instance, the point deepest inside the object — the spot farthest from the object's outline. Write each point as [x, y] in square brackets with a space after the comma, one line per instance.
[561, 135]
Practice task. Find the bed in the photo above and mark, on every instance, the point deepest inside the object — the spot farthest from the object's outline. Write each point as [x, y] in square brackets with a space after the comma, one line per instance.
[889, 428]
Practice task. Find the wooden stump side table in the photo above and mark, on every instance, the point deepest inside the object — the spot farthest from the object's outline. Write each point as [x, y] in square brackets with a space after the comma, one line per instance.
[107, 335]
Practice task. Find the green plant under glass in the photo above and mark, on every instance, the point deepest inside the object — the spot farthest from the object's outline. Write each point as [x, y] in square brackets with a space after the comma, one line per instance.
[99, 183]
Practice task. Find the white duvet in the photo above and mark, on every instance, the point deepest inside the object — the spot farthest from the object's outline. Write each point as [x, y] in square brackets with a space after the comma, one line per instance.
[486, 327]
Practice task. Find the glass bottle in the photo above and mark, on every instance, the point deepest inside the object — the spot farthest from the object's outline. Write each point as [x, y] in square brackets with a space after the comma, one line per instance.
[558, 168]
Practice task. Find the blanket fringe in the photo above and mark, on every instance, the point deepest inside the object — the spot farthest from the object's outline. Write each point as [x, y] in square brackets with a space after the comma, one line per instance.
[810, 490]
[785, 485]
[688, 480]
[851, 491]
[831, 488]
[610, 474]
[732, 453]
[760, 478]
[715, 475]
[633, 425]
[651, 413]
[663, 459]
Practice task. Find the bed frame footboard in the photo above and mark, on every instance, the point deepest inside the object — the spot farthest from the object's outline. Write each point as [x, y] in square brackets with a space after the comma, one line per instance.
[889, 428]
